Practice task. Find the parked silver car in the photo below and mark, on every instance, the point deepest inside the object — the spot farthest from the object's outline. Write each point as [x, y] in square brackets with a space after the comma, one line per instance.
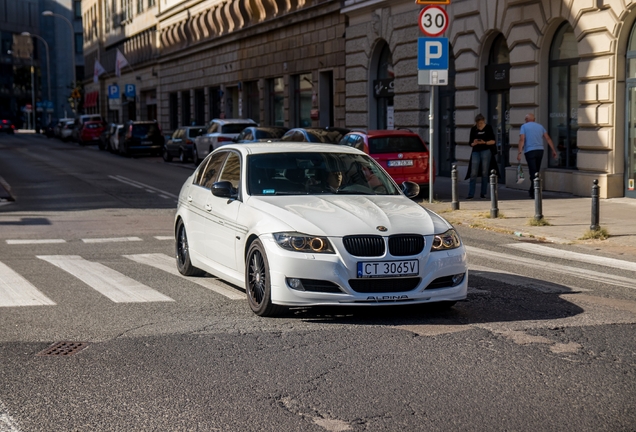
[220, 132]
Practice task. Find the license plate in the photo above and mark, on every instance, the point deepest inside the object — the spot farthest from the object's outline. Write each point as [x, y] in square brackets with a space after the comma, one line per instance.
[399, 163]
[370, 269]
[146, 142]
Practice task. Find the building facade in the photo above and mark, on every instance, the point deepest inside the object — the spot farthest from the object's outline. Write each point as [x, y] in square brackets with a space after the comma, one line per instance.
[568, 62]
[353, 63]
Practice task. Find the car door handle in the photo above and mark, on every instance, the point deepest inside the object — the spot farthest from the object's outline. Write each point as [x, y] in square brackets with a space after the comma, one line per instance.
[208, 207]
[189, 198]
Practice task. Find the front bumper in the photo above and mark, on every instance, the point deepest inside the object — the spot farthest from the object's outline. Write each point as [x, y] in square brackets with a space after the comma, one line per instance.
[339, 268]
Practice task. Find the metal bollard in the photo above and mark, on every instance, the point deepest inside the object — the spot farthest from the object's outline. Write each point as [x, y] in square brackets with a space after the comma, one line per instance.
[454, 201]
[494, 210]
[596, 207]
[538, 206]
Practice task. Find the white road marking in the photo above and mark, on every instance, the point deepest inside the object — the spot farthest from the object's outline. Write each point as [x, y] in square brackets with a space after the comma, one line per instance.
[112, 284]
[164, 237]
[7, 424]
[141, 186]
[35, 241]
[111, 240]
[519, 280]
[167, 264]
[17, 291]
[543, 266]
[574, 256]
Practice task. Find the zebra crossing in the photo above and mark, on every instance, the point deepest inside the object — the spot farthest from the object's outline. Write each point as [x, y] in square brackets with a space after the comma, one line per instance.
[16, 290]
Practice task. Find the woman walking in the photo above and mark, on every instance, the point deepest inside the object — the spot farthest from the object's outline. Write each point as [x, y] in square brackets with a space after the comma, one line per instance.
[482, 140]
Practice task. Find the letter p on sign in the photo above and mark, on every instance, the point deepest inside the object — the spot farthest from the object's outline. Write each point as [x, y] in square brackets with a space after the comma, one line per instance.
[433, 51]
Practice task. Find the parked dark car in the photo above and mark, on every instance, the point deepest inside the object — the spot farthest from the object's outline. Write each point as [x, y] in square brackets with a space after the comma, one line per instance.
[181, 142]
[261, 134]
[49, 129]
[7, 126]
[326, 135]
[142, 137]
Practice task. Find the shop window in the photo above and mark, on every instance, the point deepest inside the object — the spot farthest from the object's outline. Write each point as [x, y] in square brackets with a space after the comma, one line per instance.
[214, 101]
[563, 98]
[199, 106]
[303, 89]
[276, 96]
[383, 89]
[79, 43]
[174, 110]
[253, 101]
[185, 108]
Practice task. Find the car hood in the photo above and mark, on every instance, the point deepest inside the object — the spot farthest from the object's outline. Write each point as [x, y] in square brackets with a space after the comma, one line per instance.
[340, 215]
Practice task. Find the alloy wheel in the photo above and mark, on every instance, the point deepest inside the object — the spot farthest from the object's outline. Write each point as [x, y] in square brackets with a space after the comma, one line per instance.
[257, 277]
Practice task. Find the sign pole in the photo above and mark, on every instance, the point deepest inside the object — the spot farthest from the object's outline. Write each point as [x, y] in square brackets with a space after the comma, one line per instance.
[431, 146]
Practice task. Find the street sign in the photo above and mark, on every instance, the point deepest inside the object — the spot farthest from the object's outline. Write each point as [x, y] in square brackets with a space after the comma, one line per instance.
[76, 94]
[129, 91]
[113, 91]
[432, 53]
[432, 61]
[430, 2]
[433, 21]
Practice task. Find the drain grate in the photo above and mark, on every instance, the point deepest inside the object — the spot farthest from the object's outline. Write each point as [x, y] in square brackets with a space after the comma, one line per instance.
[63, 349]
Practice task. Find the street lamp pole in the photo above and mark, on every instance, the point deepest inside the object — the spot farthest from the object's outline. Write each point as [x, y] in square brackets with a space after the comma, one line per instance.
[48, 66]
[70, 25]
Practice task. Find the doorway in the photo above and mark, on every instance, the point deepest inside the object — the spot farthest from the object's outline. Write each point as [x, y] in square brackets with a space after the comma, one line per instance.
[630, 157]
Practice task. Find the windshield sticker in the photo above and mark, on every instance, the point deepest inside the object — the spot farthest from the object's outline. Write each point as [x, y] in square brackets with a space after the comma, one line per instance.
[269, 191]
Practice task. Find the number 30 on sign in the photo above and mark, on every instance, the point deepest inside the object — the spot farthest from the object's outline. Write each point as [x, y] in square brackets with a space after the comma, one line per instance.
[433, 21]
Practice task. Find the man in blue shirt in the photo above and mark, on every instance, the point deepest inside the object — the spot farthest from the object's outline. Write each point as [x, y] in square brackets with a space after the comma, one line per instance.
[531, 145]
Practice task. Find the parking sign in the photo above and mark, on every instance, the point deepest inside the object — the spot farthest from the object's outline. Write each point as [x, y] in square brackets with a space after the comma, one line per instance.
[432, 61]
[113, 91]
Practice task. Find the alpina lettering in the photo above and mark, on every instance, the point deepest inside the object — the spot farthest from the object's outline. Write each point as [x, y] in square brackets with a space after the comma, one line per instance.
[388, 298]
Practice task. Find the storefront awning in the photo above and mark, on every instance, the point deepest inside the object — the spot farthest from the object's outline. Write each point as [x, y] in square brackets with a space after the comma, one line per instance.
[90, 99]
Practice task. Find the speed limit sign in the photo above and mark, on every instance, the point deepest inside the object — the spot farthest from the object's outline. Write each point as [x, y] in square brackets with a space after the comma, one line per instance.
[433, 21]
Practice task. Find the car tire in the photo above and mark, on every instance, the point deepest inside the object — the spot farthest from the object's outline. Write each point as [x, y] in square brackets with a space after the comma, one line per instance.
[166, 154]
[195, 156]
[257, 282]
[182, 252]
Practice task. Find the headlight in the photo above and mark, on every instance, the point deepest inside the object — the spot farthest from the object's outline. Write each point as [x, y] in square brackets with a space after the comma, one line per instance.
[448, 240]
[298, 242]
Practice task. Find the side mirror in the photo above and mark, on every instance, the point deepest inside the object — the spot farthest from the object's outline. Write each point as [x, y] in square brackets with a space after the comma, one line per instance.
[410, 189]
[223, 189]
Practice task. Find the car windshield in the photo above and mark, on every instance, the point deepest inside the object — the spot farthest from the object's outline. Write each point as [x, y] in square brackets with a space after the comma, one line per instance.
[396, 144]
[315, 173]
[143, 130]
[324, 136]
[234, 128]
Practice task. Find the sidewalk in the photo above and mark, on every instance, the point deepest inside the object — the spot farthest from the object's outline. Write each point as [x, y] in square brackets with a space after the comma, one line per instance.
[569, 216]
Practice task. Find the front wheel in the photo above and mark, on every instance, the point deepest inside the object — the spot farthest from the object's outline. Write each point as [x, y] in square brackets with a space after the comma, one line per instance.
[182, 249]
[195, 156]
[258, 284]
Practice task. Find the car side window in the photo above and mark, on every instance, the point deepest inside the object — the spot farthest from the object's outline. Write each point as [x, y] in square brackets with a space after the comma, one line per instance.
[358, 143]
[207, 175]
[213, 127]
[232, 170]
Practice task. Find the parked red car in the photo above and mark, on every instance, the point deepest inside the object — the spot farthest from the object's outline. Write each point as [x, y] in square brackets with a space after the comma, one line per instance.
[91, 130]
[402, 153]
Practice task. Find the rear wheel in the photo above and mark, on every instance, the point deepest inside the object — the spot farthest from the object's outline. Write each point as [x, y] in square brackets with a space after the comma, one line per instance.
[166, 154]
[182, 249]
[258, 285]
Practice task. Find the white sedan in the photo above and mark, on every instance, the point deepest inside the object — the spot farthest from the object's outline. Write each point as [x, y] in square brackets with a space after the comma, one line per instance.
[299, 224]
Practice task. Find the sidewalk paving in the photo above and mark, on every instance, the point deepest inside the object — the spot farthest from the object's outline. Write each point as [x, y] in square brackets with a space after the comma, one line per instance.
[569, 216]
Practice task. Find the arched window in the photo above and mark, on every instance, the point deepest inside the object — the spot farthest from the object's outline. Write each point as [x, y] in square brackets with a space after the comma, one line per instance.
[383, 88]
[498, 87]
[563, 97]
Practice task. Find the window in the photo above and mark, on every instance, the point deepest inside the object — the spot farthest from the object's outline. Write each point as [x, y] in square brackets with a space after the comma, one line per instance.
[303, 89]
[232, 170]
[77, 9]
[152, 3]
[253, 101]
[214, 98]
[208, 175]
[126, 9]
[107, 16]
[563, 98]
[276, 88]
[199, 106]
[140, 6]
[79, 43]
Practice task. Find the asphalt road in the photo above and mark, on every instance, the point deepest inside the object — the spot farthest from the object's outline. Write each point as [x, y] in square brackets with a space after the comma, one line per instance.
[545, 341]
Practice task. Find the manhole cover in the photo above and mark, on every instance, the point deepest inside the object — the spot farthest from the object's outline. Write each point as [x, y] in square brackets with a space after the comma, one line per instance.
[63, 349]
